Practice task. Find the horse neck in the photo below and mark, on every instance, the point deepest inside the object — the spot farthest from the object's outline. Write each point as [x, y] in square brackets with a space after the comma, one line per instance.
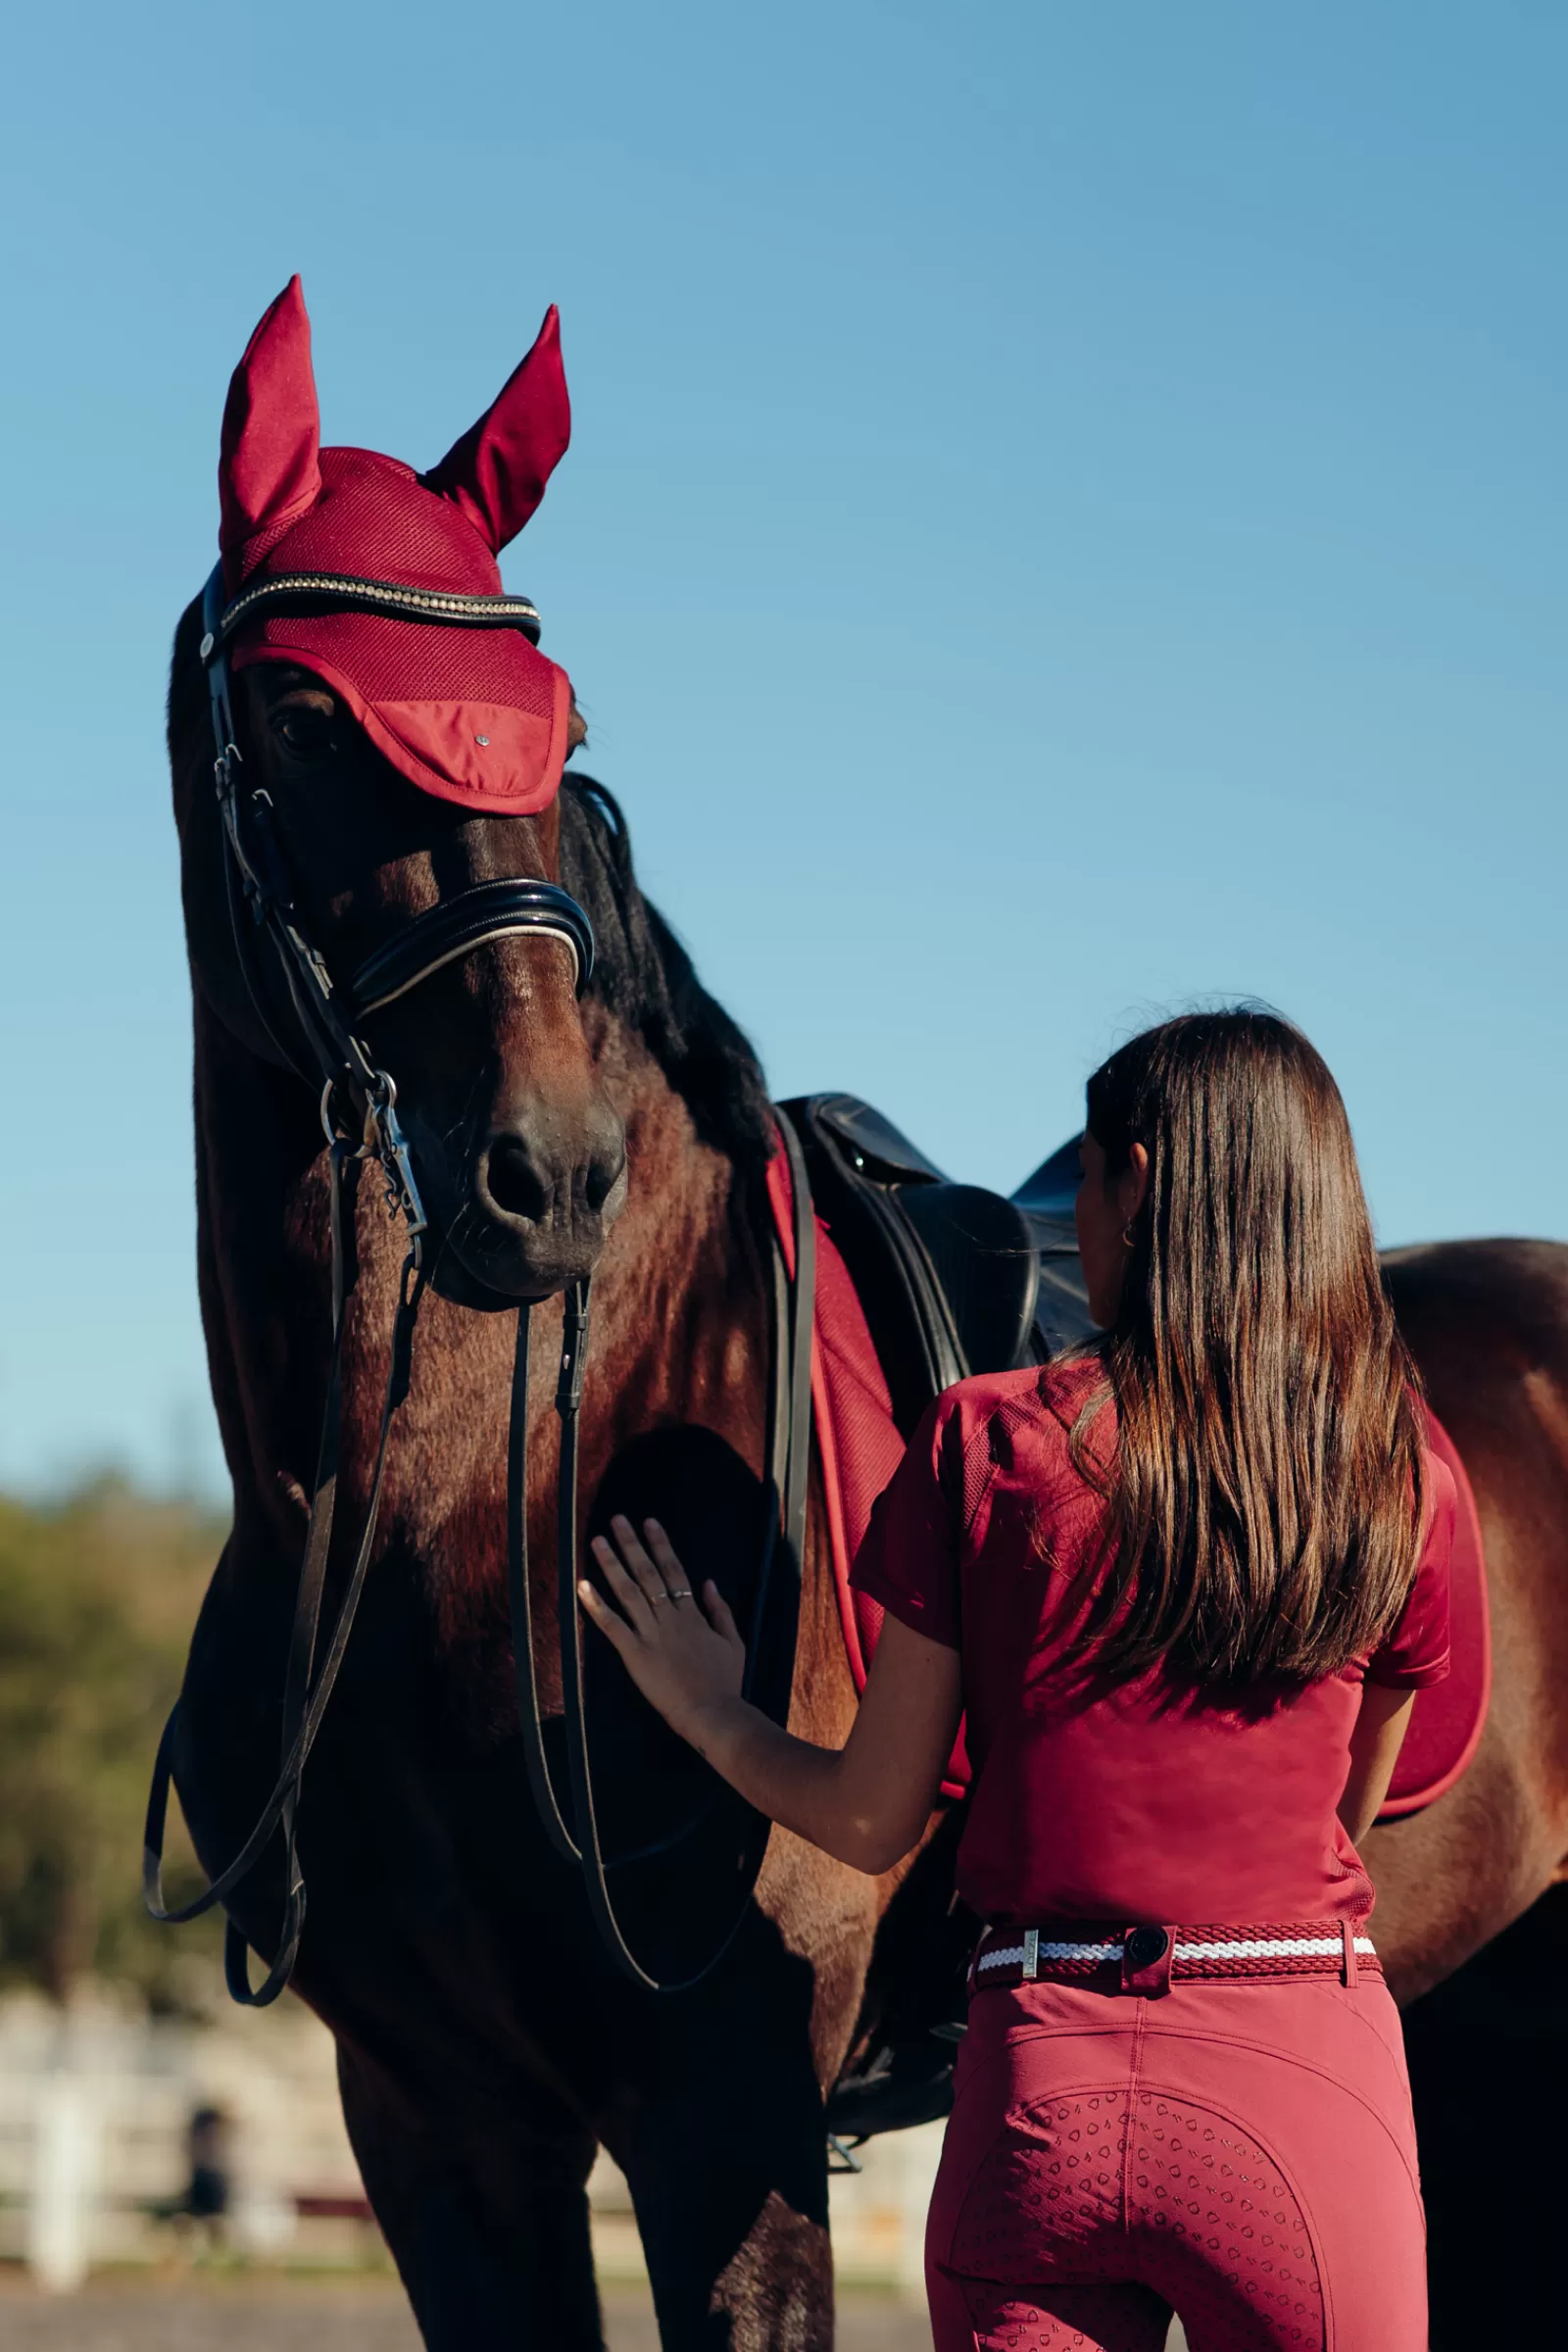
[678, 1341]
[678, 1335]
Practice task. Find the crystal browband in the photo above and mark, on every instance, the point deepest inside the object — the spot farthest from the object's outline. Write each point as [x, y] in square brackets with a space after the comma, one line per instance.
[293, 590]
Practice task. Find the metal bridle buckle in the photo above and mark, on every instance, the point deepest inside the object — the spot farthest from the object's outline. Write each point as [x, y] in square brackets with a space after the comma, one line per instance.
[383, 1135]
[382, 1140]
[333, 1133]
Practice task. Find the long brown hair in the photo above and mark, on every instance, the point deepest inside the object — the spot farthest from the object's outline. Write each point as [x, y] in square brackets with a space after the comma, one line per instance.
[1265, 1500]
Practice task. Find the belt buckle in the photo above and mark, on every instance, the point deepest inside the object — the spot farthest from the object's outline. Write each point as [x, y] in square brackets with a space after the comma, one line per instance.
[1031, 1954]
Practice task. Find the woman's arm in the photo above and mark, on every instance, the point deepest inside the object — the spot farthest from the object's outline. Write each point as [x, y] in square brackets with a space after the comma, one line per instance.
[1375, 1742]
[865, 1803]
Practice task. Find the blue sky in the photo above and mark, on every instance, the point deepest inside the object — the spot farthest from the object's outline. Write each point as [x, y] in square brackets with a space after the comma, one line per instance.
[1066, 515]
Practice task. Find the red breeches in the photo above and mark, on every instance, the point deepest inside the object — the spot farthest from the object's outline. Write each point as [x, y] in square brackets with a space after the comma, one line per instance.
[1241, 2153]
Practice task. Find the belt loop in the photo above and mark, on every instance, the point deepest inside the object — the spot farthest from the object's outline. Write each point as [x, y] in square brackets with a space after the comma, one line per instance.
[1145, 1957]
[1031, 1954]
[1348, 1930]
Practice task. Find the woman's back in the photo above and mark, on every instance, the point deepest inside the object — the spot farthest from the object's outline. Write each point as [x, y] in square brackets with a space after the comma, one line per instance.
[1096, 1796]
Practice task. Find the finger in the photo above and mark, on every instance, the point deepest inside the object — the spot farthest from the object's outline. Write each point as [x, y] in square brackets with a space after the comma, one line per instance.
[636, 1559]
[633, 1560]
[719, 1613]
[665, 1559]
[609, 1622]
[626, 1588]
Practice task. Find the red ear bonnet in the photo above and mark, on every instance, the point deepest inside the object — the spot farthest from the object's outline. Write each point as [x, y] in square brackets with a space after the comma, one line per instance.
[475, 715]
[268, 473]
[498, 471]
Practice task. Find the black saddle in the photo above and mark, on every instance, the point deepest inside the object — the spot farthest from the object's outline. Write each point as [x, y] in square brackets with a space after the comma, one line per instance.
[953, 1279]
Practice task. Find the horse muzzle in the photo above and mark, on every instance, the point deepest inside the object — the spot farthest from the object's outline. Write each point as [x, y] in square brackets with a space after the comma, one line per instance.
[531, 1204]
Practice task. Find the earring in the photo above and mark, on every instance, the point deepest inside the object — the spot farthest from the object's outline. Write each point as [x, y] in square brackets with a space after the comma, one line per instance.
[1129, 1235]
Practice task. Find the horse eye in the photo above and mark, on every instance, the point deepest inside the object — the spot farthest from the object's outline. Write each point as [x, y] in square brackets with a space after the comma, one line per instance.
[305, 728]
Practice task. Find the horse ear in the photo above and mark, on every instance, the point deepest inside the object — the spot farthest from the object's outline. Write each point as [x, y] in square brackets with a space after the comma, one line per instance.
[498, 471]
[268, 471]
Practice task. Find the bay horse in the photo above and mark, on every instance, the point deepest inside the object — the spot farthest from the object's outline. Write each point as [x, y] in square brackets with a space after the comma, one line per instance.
[487, 2045]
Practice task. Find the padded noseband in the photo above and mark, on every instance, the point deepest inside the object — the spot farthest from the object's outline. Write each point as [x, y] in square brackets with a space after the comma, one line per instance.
[457, 926]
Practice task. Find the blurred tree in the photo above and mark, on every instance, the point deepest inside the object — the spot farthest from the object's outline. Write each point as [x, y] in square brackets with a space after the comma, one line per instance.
[97, 1598]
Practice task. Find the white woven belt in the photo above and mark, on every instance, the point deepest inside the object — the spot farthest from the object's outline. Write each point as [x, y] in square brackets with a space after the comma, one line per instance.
[1257, 1948]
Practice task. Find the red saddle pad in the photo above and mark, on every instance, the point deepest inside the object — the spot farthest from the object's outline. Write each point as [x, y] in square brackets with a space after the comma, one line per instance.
[858, 1441]
[860, 1448]
[1449, 1717]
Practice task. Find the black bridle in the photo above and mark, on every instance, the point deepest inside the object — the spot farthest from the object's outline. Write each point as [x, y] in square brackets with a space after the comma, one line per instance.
[261, 898]
[358, 1115]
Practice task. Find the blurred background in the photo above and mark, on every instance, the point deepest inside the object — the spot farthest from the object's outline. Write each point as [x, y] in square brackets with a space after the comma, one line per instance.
[1066, 517]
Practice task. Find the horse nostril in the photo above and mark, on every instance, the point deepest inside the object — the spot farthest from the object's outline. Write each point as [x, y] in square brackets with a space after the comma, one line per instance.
[605, 1171]
[511, 1181]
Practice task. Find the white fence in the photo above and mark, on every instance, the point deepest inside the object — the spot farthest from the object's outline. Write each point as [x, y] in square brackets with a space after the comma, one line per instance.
[95, 2107]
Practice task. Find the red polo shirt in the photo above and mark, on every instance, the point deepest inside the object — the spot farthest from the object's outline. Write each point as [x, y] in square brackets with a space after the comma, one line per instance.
[1155, 1799]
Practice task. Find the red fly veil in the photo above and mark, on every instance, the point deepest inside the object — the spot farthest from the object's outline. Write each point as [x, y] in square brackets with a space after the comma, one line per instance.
[475, 715]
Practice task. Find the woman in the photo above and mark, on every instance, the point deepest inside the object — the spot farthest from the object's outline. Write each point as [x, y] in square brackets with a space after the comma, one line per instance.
[1185, 1584]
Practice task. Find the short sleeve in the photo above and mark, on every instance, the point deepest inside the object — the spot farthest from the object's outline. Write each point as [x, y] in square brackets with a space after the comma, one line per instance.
[1416, 1652]
[909, 1559]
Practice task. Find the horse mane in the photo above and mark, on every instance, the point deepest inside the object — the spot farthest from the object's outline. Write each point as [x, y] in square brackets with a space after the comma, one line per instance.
[644, 976]
[642, 973]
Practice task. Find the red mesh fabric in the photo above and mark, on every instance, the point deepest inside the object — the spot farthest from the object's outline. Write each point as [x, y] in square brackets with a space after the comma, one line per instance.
[1449, 1717]
[418, 660]
[473, 715]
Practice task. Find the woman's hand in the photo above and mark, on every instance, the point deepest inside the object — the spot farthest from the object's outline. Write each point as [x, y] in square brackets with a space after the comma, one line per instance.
[685, 1662]
[866, 1802]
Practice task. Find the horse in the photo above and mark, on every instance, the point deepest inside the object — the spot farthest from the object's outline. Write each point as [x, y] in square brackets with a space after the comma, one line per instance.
[620, 1127]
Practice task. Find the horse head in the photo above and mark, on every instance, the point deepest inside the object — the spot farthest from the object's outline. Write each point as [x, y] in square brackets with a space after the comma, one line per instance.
[400, 743]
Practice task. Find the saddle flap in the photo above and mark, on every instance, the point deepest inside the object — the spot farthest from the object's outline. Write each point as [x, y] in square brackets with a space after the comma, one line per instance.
[985, 1266]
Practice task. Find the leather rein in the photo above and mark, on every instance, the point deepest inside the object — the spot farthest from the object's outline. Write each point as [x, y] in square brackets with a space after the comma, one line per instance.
[359, 1116]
